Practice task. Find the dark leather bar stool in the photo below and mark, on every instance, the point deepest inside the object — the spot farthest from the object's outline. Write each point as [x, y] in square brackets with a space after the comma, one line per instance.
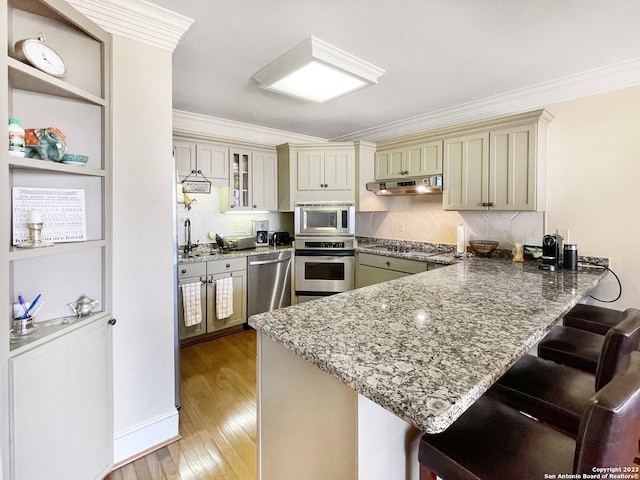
[592, 318]
[558, 394]
[493, 441]
[574, 347]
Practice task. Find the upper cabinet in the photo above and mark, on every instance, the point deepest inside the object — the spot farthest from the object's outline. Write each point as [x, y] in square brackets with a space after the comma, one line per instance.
[497, 164]
[466, 170]
[253, 182]
[210, 159]
[410, 161]
[315, 172]
[264, 180]
[499, 168]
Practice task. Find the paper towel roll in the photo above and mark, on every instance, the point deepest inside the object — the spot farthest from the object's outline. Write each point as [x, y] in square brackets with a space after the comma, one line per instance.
[461, 239]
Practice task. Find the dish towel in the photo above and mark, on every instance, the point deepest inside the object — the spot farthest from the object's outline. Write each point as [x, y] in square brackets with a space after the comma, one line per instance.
[224, 297]
[191, 303]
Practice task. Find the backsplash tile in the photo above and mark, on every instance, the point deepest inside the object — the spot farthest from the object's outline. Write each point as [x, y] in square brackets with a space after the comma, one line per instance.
[422, 219]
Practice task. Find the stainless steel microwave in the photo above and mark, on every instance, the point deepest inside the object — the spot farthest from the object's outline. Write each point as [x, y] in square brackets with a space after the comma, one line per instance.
[328, 218]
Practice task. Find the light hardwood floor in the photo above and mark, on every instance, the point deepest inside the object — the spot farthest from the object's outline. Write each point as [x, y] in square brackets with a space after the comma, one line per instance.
[217, 418]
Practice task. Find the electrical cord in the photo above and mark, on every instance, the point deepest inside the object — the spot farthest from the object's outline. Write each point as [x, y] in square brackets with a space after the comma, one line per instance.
[612, 273]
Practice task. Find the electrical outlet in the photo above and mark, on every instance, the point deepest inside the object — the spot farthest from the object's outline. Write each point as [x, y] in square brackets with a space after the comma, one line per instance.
[239, 228]
[401, 226]
[564, 233]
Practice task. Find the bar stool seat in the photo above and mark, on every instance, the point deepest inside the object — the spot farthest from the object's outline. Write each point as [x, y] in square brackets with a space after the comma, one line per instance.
[546, 390]
[558, 394]
[572, 347]
[592, 318]
[491, 440]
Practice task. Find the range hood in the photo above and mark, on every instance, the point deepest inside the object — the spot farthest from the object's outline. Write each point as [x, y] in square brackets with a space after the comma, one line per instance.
[407, 186]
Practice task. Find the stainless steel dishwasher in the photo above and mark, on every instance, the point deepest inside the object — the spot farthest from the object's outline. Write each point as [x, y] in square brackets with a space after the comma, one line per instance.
[268, 282]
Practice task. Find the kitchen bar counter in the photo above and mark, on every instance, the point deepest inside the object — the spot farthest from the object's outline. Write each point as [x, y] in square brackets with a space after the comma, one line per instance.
[425, 347]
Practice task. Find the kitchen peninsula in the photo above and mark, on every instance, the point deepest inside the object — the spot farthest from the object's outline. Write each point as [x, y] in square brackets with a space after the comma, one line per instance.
[346, 384]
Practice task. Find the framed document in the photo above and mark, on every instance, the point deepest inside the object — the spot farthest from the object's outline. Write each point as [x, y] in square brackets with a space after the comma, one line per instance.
[62, 211]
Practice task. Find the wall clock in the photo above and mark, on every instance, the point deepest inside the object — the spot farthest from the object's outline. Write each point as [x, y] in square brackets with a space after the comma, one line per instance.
[35, 52]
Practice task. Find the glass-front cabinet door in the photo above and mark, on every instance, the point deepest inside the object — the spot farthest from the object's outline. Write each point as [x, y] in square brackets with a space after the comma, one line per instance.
[239, 196]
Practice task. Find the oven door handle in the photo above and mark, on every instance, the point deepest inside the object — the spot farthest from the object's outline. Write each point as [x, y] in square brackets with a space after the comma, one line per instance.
[325, 253]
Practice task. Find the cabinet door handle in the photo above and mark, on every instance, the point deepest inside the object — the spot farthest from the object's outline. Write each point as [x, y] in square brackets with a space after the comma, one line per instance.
[184, 270]
[203, 281]
[485, 204]
[232, 206]
[228, 265]
[388, 264]
[112, 321]
[491, 204]
[255, 206]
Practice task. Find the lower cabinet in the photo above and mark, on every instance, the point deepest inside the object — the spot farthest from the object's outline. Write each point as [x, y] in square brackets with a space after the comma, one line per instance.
[219, 269]
[374, 269]
[61, 404]
[206, 275]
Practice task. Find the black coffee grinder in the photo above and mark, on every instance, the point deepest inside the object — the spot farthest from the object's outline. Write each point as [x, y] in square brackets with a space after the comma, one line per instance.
[551, 253]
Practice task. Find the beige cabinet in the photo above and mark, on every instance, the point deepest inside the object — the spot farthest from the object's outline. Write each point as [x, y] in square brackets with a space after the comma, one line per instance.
[312, 172]
[264, 181]
[208, 158]
[192, 273]
[239, 281]
[57, 417]
[253, 182]
[466, 172]
[410, 161]
[498, 168]
[372, 268]
[61, 404]
[206, 274]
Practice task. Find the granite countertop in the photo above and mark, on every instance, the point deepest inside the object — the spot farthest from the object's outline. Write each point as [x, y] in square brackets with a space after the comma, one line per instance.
[426, 346]
[203, 253]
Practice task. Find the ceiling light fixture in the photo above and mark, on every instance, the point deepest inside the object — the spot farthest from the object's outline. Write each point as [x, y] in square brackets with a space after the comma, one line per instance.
[314, 70]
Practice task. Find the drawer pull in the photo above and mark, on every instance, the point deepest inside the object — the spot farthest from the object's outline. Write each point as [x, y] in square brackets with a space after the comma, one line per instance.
[184, 270]
[228, 265]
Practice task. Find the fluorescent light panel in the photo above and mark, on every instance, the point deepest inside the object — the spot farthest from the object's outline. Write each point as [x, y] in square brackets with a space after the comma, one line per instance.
[317, 71]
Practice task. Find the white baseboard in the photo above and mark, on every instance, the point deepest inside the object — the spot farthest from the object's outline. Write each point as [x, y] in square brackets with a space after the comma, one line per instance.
[133, 440]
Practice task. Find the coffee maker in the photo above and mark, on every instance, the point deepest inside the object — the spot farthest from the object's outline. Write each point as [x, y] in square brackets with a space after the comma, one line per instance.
[261, 231]
[551, 253]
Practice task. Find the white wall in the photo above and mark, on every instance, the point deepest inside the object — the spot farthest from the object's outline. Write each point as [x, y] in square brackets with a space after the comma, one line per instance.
[143, 256]
[594, 183]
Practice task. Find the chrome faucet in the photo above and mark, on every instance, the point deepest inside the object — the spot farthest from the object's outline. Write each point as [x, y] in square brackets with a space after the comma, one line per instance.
[187, 235]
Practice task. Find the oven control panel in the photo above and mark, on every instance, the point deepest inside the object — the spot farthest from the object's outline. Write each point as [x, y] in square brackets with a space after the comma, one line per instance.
[324, 243]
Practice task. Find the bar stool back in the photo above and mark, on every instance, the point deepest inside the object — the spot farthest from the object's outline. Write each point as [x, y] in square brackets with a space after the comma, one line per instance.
[581, 349]
[592, 318]
[491, 440]
[557, 394]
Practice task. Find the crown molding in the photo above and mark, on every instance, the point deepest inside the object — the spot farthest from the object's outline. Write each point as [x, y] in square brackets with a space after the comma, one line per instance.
[137, 20]
[194, 125]
[600, 80]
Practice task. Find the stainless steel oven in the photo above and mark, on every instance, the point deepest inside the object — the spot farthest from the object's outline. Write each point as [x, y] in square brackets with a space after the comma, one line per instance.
[325, 219]
[323, 266]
